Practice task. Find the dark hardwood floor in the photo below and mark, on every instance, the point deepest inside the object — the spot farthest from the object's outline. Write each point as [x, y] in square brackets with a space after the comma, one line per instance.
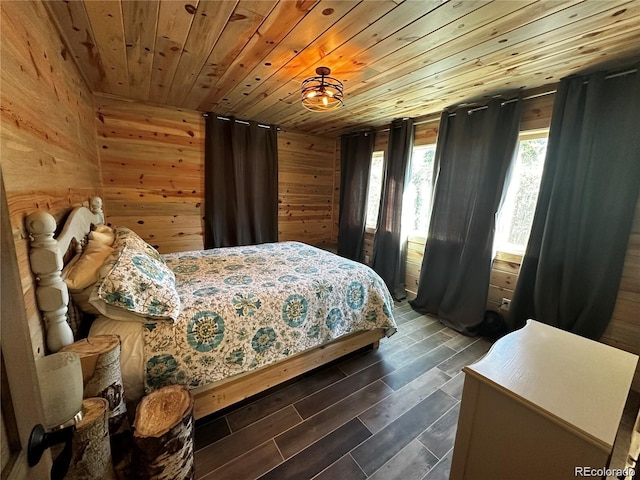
[384, 414]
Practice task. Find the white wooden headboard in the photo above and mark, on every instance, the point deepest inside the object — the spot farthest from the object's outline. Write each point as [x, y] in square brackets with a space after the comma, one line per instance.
[46, 259]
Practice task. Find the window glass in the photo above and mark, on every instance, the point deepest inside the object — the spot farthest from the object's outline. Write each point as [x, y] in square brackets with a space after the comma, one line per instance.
[516, 215]
[417, 197]
[375, 189]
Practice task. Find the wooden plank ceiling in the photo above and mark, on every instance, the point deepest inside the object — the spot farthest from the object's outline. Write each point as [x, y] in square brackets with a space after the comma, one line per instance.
[396, 58]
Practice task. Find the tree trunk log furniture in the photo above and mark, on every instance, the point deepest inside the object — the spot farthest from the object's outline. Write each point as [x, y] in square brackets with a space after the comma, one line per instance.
[91, 450]
[163, 435]
[100, 359]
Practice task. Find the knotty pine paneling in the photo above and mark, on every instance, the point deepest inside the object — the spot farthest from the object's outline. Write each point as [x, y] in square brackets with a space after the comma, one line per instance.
[504, 275]
[49, 159]
[152, 161]
[307, 188]
[624, 328]
[153, 172]
[337, 172]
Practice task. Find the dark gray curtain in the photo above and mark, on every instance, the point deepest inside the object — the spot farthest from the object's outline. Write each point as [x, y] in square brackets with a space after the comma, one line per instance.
[356, 150]
[573, 263]
[474, 156]
[390, 245]
[241, 183]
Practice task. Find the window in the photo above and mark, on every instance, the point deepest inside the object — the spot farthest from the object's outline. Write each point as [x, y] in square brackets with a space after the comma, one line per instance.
[375, 189]
[417, 197]
[516, 215]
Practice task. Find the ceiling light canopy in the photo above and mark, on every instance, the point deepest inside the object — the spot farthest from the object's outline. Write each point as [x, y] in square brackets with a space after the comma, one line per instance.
[322, 93]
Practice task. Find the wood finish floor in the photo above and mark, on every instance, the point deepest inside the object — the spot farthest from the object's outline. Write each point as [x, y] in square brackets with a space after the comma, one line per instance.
[389, 413]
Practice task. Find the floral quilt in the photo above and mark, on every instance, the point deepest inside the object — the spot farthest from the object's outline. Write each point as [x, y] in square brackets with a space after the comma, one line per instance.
[246, 307]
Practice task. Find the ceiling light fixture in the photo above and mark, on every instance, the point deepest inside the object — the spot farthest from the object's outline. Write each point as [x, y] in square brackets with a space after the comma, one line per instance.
[322, 93]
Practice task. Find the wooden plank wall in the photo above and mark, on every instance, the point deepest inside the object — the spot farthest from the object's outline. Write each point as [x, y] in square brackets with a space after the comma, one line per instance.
[152, 161]
[306, 188]
[504, 275]
[153, 172]
[624, 328]
[48, 158]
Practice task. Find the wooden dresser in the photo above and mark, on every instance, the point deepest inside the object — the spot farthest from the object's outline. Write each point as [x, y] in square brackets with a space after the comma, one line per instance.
[540, 404]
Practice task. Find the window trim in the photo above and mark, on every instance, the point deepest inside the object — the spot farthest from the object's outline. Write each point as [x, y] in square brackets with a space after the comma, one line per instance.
[533, 134]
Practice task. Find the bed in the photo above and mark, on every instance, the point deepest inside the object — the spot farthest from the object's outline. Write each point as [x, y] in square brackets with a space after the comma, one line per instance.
[228, 323]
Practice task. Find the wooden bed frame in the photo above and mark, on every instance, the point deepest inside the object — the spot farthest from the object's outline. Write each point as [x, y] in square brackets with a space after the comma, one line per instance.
[46, 257]
[47, 261]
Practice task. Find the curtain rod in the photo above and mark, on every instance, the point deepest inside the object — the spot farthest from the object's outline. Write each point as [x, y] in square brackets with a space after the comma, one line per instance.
[613, 75]
[529, 97]
[437, 118]
[621, 74]
[243, 122]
